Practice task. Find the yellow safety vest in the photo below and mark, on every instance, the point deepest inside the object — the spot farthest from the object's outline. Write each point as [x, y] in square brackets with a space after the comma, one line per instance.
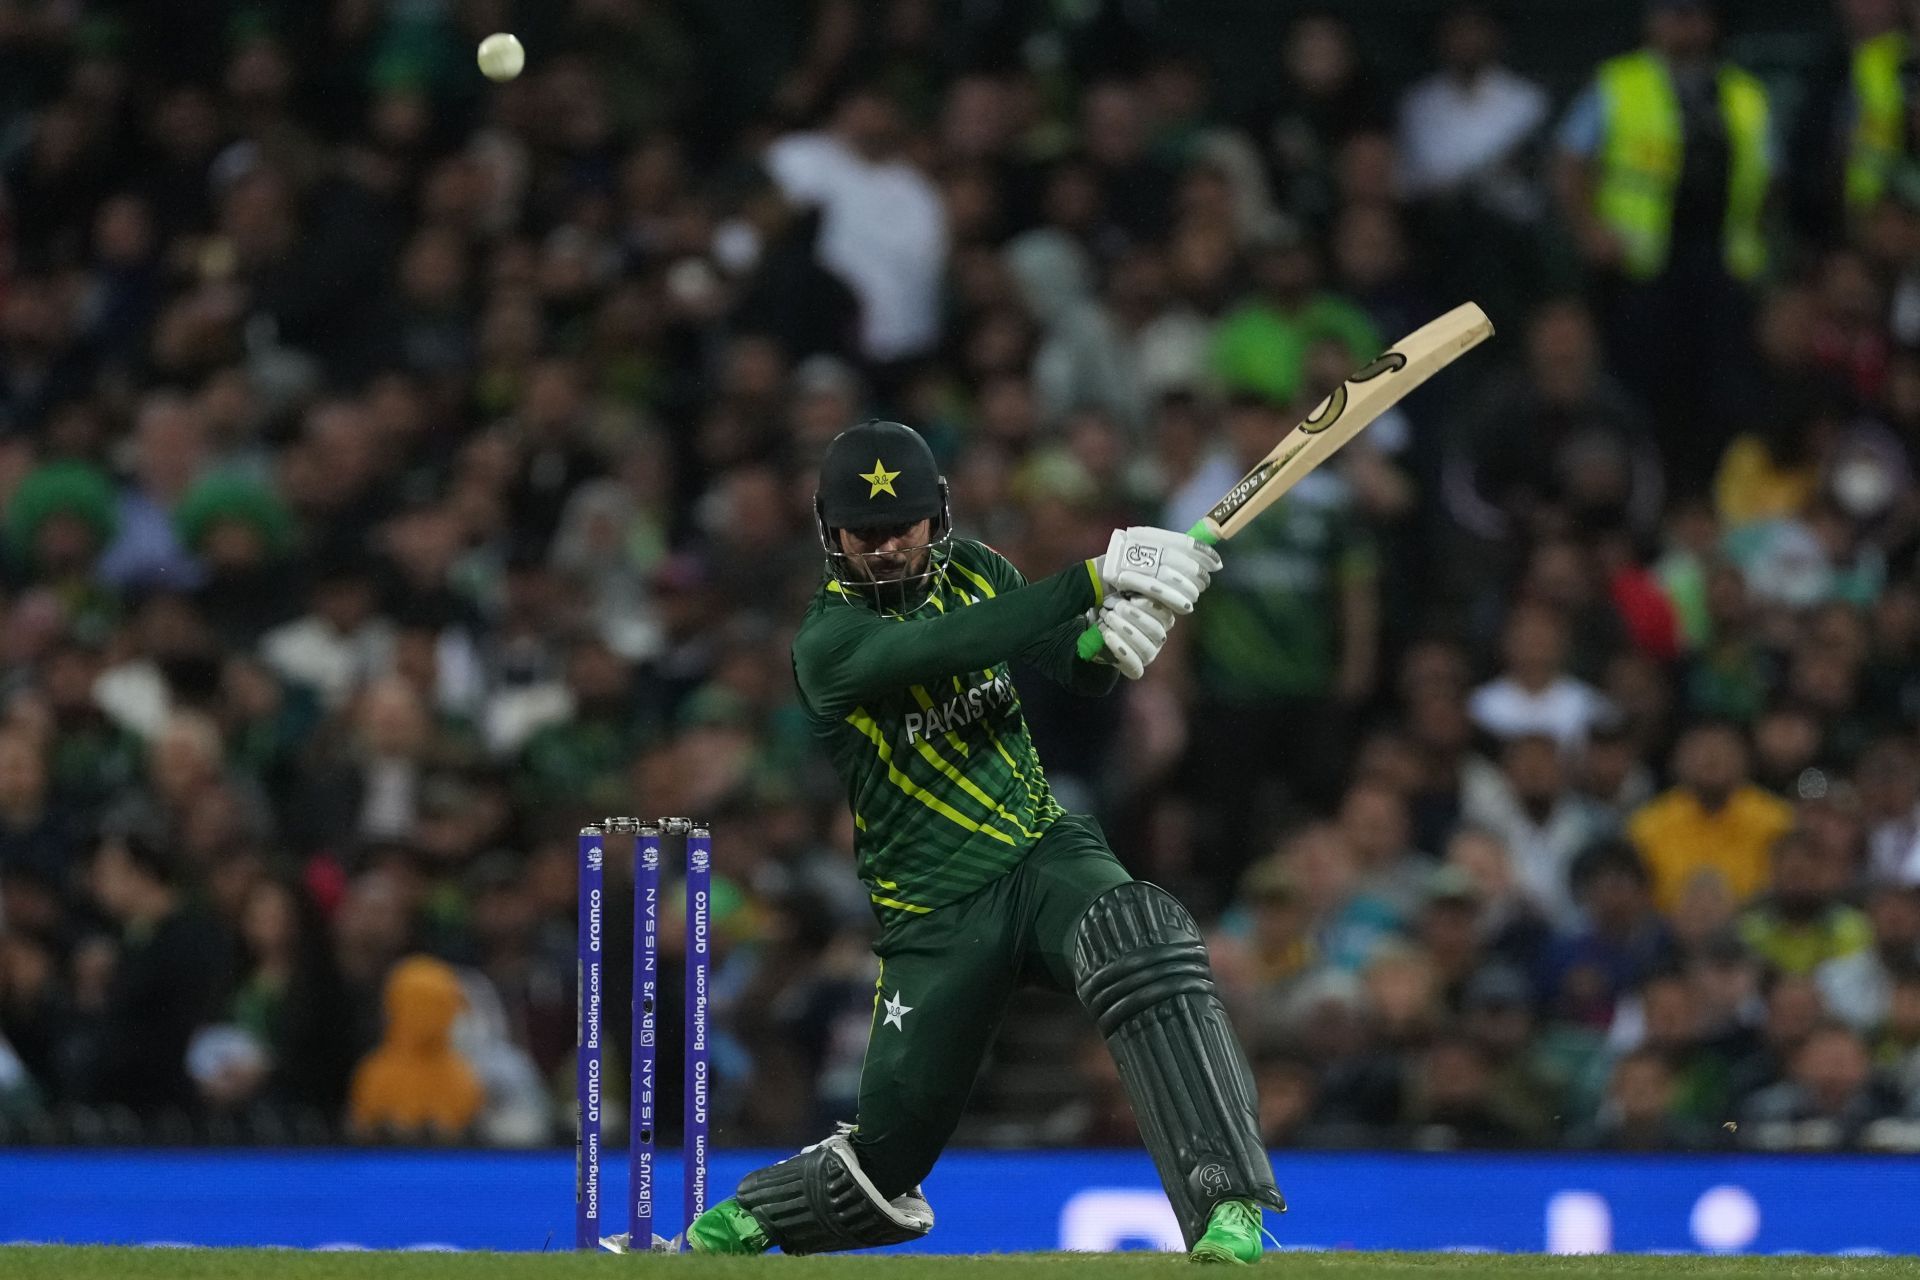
[1879, 119]
[1642, 153]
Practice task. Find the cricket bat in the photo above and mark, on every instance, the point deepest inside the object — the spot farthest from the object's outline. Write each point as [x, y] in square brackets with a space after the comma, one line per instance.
[1368, 393]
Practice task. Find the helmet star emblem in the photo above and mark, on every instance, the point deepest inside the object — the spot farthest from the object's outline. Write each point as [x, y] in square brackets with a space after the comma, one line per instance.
[881, 479]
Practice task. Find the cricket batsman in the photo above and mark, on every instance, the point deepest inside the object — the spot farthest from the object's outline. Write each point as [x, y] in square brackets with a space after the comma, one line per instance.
[980, 880]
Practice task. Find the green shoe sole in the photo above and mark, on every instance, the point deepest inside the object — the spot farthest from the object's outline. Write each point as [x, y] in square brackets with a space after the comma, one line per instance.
[1211, 1253]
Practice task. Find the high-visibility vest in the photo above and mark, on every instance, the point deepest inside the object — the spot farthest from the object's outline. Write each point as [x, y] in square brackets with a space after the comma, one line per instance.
[1879, 118]
[1642, 153]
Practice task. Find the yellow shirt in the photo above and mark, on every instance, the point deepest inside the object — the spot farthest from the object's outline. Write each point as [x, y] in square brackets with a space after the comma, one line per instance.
[1750, 487]
[1681, 840]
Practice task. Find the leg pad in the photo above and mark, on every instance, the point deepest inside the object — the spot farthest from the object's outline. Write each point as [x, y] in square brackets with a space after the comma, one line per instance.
[1141, 970]
[821, 1202]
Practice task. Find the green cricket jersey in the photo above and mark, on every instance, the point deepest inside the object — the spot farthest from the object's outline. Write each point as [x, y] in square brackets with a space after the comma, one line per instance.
[924, 726]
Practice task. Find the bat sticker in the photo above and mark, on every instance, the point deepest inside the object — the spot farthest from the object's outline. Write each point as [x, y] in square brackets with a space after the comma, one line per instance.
[1256, 480]
[1334, 405]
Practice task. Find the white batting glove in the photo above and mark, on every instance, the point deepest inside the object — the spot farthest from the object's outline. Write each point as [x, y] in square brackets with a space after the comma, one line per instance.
[1167, 568]
[1133, 631]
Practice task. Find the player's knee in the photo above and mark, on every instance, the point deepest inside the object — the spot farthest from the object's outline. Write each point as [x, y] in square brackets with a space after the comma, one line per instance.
[1135, 947]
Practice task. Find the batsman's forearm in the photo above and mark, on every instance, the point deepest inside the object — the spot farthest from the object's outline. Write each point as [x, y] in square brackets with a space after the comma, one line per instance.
[1056, 656]
[970, 639]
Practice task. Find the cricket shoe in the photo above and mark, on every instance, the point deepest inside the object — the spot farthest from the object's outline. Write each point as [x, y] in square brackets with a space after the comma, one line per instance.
[727, 1228]
[1233, 1234]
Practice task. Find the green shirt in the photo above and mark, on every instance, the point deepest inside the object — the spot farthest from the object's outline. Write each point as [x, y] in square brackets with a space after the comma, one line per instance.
[1270, 624]
[1798, 947]
[1262, 349]
[923, 723]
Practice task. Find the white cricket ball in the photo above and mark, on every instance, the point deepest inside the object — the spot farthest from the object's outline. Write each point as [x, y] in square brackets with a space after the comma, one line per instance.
[502, 56]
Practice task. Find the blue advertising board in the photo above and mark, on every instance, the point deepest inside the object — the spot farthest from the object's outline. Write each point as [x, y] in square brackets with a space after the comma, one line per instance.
[1001, 1201]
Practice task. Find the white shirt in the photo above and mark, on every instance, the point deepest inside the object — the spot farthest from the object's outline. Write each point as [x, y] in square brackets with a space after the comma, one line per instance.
[1451, 132]
[1565, 710]
[309, 651]
[1856, 989]
[884, 231]
[1893, 850]
[1541, 852]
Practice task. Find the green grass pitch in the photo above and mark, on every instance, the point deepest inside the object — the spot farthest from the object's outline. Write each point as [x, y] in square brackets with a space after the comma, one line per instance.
[34, 1263]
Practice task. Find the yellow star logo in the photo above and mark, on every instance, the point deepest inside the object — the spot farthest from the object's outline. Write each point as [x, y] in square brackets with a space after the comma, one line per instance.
[881, 479]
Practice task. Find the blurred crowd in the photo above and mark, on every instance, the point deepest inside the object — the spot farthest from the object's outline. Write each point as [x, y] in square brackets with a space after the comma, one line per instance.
[399, 471]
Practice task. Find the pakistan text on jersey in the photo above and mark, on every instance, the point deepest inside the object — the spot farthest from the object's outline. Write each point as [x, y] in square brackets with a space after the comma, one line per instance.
[961, 709]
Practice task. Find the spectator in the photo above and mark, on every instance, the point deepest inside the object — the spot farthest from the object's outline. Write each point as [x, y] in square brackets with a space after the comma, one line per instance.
[242, 532]
[1293, 642]
[342, 641]
[1542, 821]
[1446, 926]
[1623, 945]
[1513, 931]
[882, 231]
[169, 453]
[1877, 130]
[1467, 141]
[1136, 190]
[1775, 475]
[1373, 822]
[1799, 926]
[1857, 987]
[1464, 130]
[1640, 1114]
[1497, 1012]
[1261, 347]
[290, 1001]
[1533, 694]
[1670, 1021]
[1786, 743]
[1584, 455]
[169, 970]
[1349, 924]
[59, 520]
[185, 769]
[1611, 772]
[1713, 824]
[1258, 963]
[1897, 1047]
[1453, 1104]
[581, 756]
[1666, 162]
[1790, 1011]
[1287, 1087]
[1889, 778]
[35, 834]
[1320, 99]
[1829, 1097]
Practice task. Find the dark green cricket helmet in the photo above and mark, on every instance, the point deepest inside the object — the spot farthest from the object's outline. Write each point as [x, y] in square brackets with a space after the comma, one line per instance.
[881, 475]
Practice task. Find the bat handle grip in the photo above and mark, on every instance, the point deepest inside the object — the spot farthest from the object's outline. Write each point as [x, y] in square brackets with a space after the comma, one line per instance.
[1091, 642]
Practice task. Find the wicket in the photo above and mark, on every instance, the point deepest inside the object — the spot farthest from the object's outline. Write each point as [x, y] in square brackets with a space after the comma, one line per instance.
[642, 1118]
